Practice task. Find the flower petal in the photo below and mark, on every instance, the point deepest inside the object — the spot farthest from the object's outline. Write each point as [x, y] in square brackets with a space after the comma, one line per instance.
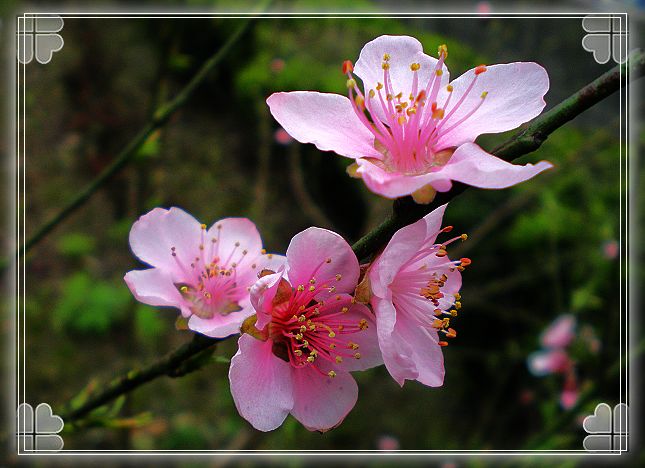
[367, 340]
[395, 184]
[515, 95]
[154, 234]
[221, 326]
[403, 52]
[560, 333]
[473, 166]
[326, 120]
[401, 248]
[233, 237]
[320, 402]
[551, 361]
[261, 384]
[262, 293]
[322, 254]
[396, 356]
[155, 287]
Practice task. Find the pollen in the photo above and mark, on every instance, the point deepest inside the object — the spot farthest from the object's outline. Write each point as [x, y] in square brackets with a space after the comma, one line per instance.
[184, 289]
[332, 334]
[385, 66]
[443, 49]
[480, 69]
[450, 88]
[297, 352]
[339, 359]
[300, 288]
[203, 226]
[357, 355]
[312, 288]
[362, 324]
[484, 94]
[339, 277]
[386, 57]
[310, 359]
[348, 67]
[415, 66]
[371, 93]
[438, 114]
[350, 83]
[344, 310]
[379, 86]
[331, 374]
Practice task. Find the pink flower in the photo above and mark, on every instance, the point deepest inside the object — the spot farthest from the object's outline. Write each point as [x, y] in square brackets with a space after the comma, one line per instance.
[570, 392]
[282, 137]
[388, 443]
[411, 132]
[551, 361]
[309, 334]
[560, 333]
[414, 286]
[203, 272]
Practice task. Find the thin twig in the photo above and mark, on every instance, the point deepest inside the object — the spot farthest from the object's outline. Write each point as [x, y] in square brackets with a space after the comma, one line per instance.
[159, 118]
[405, 211]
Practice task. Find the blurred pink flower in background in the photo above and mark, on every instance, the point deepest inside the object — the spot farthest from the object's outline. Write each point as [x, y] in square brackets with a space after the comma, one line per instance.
[483, 8]
[414, 286]
[277, 65]
[282, 137]
[610, 249]
[412, 132]
[554, 358]
[309, 333]
[388, 443]
[203, 272]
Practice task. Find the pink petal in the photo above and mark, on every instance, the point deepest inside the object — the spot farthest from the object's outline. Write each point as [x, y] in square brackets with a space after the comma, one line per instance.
[403, 245]
[403, 51]
[433, 222]
[560, 333]
[221, 326]
[320, 402]
[154, 287]
[515, 95]
[473, 166]
[410, 352]
[395, 184]
[261, 384]
[155, 233]
[234, 236]
[307, 257]
[367, 341]
[326, 120]
[546, 362]
[262, 293]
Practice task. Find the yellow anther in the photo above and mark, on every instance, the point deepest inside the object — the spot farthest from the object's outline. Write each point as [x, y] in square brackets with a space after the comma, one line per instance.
[357, 355]
[457, 296]
[298, 336]
[297, 352]
[386, 57]
[331, 374]
[339, 277]
[415, 66]
[449, 88]
[464, 236]
[352, 345]
[411, 110]
[362, 324]
[371, 94]
[351, 83]
[385, 66]
[269, 256]
[399, 96]
[332, 346]
[438, 114]
[301, 308]
[303, 328]
[310, 359]
[305, 344]
[312, 288]
[300, 288]
[457, 305]
[184, 289]
[379, 86]
[401, 119]
[443, 49]
[314, 353]
[439, 72]
[332, 334]
[339, 359]
[441, 253]
[344, 310]
[302, 318]
[453, 313]
[203, 226]
[388, 97]
[484, 94]
[263, 251]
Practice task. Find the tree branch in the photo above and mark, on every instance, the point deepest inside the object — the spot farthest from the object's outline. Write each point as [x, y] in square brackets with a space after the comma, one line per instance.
[159, 118]
[404, 212]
